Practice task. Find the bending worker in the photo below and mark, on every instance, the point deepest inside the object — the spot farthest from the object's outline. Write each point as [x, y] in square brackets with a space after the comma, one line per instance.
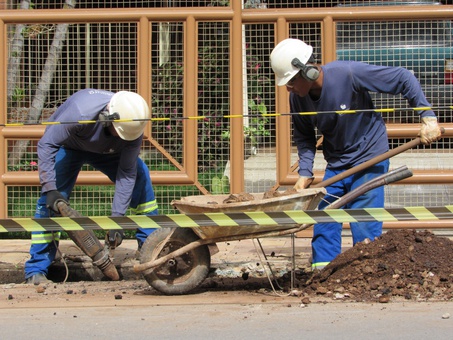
[110, 147]
[349, 139]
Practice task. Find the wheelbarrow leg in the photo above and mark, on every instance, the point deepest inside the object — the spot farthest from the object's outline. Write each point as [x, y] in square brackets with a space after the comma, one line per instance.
[268, 265]
[293, 260]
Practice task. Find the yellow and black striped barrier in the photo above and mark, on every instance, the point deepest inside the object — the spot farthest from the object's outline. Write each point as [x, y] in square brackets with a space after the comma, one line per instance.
[289, 218]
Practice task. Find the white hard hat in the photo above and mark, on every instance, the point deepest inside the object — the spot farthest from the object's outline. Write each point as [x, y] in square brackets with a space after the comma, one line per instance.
[129, 105]
[282, 56]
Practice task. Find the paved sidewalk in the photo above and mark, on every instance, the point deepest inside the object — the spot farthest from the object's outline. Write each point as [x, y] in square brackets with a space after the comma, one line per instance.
[233, 259]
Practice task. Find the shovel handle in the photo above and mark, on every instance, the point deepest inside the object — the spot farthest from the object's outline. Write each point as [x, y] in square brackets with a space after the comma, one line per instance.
[406, 146]
[386, 155]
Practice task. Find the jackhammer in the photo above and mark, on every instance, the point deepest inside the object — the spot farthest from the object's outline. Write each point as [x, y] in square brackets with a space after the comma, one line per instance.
[87, 241]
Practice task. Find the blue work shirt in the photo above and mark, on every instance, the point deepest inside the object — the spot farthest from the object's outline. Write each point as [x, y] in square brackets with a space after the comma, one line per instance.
[86, 105]
[351, 138]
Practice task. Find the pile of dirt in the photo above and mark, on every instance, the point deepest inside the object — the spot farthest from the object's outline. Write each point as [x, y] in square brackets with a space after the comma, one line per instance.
[415, 265]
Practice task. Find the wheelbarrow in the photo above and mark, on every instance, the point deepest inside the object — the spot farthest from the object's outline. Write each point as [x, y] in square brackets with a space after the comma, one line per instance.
[175, 261]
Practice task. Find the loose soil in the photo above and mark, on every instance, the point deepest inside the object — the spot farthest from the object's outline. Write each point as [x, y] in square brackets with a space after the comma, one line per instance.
[401, 263]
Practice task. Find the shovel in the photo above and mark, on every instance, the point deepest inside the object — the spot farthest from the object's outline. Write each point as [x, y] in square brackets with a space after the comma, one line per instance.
[386, 155]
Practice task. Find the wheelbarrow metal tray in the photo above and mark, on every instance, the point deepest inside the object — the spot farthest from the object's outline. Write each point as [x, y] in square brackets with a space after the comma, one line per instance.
[306, 199]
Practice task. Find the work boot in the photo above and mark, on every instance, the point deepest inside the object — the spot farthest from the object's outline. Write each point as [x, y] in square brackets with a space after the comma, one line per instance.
[37, 279]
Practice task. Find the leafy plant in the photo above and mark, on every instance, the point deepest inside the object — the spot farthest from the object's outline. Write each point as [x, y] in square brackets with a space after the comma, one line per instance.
[213, 85]
[24, 166]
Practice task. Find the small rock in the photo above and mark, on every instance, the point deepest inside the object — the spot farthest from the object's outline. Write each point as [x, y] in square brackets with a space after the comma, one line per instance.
[339, 289]
[40, 289]
[306, 300]
[446, 316]
[118, 296]
[295, 292]
[321, 290]
[384, 299]
[368, 270]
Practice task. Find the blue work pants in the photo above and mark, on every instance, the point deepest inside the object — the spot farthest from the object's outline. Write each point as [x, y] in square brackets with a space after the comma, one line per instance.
[326, 242]
[68, 164]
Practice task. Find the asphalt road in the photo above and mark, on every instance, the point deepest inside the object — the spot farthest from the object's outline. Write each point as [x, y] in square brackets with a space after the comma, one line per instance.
[213, 315]
[231, 321]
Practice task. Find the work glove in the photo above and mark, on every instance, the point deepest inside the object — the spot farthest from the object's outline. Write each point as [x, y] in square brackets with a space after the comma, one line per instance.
[430, 130]
[114, 238]
[303, 182]
[52, 199]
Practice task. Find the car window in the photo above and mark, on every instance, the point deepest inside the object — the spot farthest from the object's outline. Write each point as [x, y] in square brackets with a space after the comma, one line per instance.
[366, 35]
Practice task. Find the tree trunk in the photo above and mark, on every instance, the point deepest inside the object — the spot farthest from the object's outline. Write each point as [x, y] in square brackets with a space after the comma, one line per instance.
[17, 45]
[34, 114]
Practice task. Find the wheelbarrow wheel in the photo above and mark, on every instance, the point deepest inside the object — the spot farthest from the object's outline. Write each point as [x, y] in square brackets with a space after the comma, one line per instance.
[180, 274]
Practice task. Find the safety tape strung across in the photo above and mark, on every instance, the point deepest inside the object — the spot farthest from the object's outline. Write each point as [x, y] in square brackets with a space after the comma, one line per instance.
[240, 219]
[385, 110]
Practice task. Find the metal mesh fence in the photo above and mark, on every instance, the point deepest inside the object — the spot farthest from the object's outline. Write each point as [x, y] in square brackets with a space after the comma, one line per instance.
[167, 93]
[423, 47]
[213, 99]
[53, 62]
[104, 56]
[271, 4]
[259, 92]
[89, 4]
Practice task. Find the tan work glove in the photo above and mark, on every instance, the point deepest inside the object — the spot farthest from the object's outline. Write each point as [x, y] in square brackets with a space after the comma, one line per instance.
[430, 130]
[303, 182]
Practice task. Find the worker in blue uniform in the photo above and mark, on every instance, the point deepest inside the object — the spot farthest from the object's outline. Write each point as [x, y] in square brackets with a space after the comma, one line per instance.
[109, 145]
[348, 139]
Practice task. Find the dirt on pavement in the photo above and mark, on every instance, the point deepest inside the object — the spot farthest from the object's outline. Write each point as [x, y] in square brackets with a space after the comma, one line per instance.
[399, 265]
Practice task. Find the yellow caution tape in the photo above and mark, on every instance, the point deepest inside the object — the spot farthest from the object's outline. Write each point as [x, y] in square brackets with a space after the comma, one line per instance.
[238, 219]
[416, 109]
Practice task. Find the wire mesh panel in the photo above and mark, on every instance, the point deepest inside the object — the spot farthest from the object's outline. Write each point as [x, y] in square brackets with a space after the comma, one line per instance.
[89, 4]
[329, 3]
[424, 47]
[167, 65]
[167, 111]
[213, 103]
[49, 62]
[259, 95]
[418, 195]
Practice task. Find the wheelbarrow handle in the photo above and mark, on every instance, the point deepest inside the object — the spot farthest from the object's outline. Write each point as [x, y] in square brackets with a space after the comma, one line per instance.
[392, 176]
